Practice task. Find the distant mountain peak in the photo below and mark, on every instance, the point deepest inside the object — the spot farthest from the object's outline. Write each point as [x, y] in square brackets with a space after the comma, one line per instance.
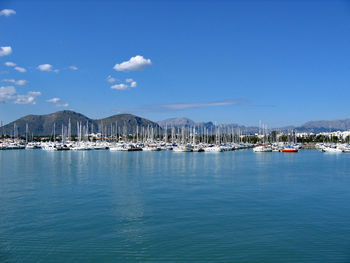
[43, 125]
[177, 122]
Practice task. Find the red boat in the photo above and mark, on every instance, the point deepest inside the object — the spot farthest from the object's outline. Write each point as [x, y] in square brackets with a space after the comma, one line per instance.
[289, 150]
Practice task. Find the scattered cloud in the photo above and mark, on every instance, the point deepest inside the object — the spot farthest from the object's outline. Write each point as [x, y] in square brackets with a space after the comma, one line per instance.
[179, 106]
[62, 105]
[8, 80]
[7, 92]
[73, 67]
[10, 64]
[13, 64]
[110, 79]
[182, 106]
[45, 67]
[29, 98]
[54, 100]
[19, 82]
[34, 93]
[5, 51]
[129, 83]
[20, 69]
[7, 12]
[120, 86]
[133, 64]
[132, 84]
[25, 99]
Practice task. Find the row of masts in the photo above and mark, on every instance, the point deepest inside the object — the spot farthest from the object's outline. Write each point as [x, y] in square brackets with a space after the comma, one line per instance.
[86, 131]
[151, 134]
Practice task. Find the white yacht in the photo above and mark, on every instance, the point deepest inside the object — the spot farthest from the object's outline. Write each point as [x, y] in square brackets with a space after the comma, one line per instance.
[330, 149]
[183, 148]
[117, 148]
[262, 148]
[151, 148]
[214, 149]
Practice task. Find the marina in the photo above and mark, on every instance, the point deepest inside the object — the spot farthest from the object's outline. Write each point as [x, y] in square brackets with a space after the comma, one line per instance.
[174, 131]
[197, 138]
[175, 146]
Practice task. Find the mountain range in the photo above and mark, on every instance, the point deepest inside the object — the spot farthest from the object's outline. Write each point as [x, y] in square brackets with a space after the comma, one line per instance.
[309, 127]
[43, 125]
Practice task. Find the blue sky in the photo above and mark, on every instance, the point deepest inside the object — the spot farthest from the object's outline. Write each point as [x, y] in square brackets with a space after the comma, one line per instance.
[279, 62]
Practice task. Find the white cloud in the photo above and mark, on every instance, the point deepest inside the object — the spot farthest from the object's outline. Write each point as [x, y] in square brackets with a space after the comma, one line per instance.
[7, 12]
[7, 92]
[10, 93]
[25, 99]
[120, 86]
[110, 79]
[54, 100]
[20, 69]
[129, 83]
[19, 82]
[34, 93]
[181, 106]
[133, 64]
[9, 80]
[73, 67]
[45, 67]
[10, 64]
[4, 51]
[29, 98]
[62, 105]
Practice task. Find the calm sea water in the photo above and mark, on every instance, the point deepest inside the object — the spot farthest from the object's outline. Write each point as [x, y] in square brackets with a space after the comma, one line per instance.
[101, 206]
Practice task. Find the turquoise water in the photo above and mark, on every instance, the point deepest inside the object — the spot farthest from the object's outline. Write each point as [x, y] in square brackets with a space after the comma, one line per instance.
[101, 206]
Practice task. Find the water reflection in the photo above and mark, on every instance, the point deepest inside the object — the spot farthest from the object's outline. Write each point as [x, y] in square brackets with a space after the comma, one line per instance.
[115, 206]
